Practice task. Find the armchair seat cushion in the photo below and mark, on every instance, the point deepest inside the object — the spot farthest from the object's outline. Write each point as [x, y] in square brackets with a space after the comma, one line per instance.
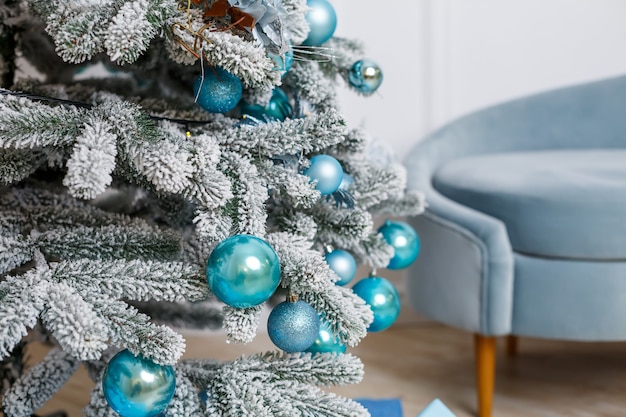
[568, 204]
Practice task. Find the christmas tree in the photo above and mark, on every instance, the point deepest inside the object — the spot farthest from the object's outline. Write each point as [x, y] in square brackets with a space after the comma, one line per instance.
[167, 164]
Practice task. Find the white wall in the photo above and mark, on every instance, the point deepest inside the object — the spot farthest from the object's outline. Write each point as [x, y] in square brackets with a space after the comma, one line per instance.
[444, 58]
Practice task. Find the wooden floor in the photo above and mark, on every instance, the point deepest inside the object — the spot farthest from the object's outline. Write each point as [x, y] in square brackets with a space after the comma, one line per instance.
[419, 362]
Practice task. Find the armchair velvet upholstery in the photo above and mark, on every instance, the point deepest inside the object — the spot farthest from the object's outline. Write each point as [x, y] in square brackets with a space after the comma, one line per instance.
[479, 269]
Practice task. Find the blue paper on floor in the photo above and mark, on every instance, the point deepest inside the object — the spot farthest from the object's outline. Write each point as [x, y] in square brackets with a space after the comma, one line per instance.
[387, 407]
[436, 409]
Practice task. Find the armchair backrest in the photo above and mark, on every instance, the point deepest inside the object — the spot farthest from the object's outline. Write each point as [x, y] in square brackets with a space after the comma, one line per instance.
[591, 115]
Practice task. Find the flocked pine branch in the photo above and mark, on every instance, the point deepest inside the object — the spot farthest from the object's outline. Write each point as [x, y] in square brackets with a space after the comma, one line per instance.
[412, 203]
[77, 327]
[22, 299]
[264, 384]
[18, 164]
[347, 314]
[295, 22]
[37, 385]
[133, 330]
[313, 85]
[246, 60]
[241, 324]
[291, 137]
[136, 279]
[124, 29]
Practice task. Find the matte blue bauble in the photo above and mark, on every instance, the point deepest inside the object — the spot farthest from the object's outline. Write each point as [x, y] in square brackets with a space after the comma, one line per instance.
[343, 264]
[243, 271]
[365, 76]
[219, 90]
[327, 171]
[322, 21]
[383, 299]
[326, 341]
[137, 387]
[278, 108]
[293, 326]
[405, 243]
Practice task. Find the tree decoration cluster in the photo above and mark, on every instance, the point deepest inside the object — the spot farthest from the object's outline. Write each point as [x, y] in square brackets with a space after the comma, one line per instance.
[185, 162]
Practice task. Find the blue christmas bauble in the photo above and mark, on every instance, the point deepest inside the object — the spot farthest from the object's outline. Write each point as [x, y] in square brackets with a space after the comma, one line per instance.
[278, 108]
[343, 264]
[322, 21]
[326, 341]
[327, 171]
[405, 243]
[218, 91]
[137, 387]
[243, 271]
[365, 76]
[293, 326]
[383, 299]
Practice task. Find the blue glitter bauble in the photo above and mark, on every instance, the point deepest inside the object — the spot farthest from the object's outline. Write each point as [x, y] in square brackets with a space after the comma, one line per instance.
[137, 387]
[243, 271]
[326, 341]
[383, 299]
[219, 90]
[343, 264]
[278, 108]
[405, 243]
[365, 76]
[327, 171]
[293, 326]
[322, 21]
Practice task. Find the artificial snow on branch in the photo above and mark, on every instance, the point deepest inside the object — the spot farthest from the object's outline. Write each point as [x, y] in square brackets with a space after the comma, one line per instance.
[40, 383]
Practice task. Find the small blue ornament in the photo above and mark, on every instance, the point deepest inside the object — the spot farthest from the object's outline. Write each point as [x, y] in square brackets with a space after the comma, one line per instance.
[293, 326]
[383, 299]
[343, 264]
[278, 108]
[283, 62]
[327, 171]
[137, 387]
[322, 21]
[243, 271]
[365, 76]
[218, 91]
[326, 341]
[405, 243]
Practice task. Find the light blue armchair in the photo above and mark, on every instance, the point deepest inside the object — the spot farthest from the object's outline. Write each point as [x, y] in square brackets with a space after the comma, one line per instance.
[525, 230]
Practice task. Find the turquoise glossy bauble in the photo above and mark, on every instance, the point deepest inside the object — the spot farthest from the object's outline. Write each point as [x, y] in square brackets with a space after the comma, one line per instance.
[326, 341]
[137, 387]
[343, 264]
[405, 242]
[218, 91]
[293, 326]
[322, 21]
[383, 299]
[278, 108]
[365, 76]
[327, 173]
[243, 271]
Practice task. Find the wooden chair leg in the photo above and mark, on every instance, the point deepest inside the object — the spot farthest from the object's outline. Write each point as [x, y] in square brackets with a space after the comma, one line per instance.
[485, 349]
[511, 345]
